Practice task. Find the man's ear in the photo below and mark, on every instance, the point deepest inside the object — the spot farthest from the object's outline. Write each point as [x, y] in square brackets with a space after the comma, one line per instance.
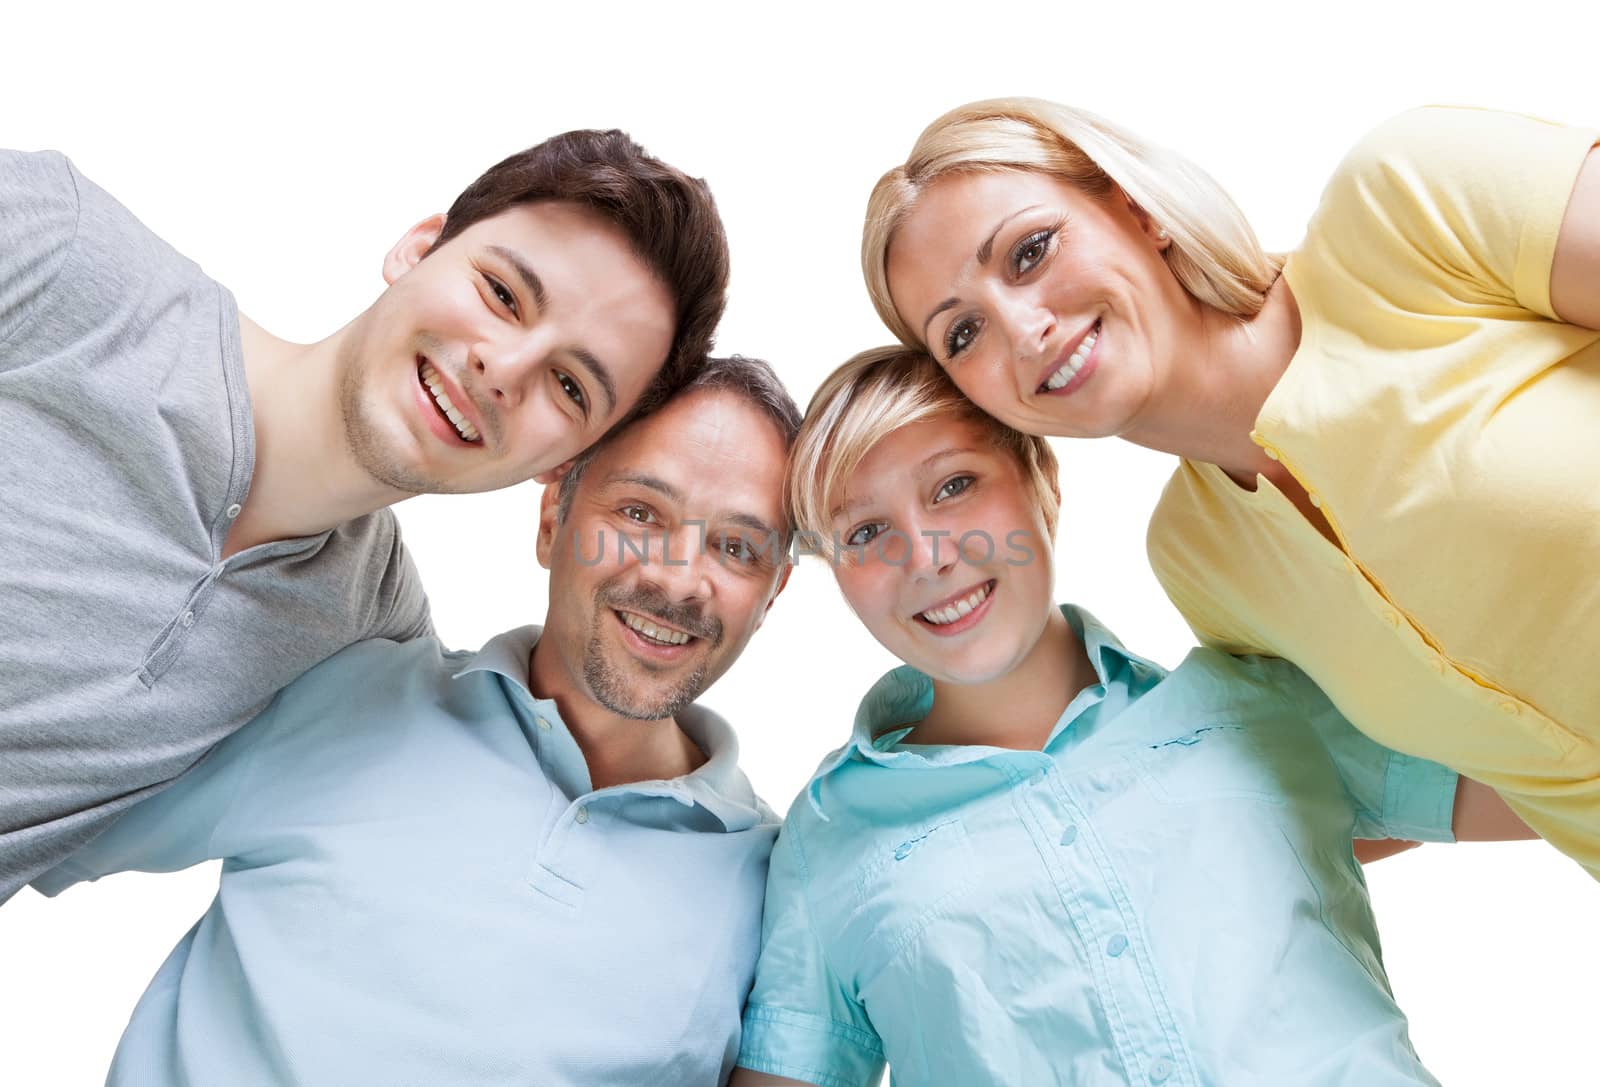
[411, 247]
[549, 523]
[554, 475]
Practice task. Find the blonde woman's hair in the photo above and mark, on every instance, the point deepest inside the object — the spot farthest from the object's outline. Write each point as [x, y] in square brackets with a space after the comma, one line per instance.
[870, 397]
[1214, 253]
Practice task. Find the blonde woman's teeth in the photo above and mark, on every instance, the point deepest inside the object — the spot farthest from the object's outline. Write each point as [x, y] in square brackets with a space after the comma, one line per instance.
[645, 627]
[430, 378]
[951, 612]
[1070, 368]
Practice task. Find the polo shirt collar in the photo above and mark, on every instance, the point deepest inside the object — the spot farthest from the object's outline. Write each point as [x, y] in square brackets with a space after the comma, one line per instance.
[718, 785]
[904, 696]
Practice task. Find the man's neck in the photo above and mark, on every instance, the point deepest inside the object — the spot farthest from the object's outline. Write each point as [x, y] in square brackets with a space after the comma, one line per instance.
[618, 750]
[1032, 696]
[305, 479]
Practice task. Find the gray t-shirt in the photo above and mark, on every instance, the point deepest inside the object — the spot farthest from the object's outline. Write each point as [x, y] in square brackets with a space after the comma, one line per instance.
[127, 647]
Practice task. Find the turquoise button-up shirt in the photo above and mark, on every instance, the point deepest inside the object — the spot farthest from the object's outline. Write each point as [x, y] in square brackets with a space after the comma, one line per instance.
[1165, 894]
[420, 886]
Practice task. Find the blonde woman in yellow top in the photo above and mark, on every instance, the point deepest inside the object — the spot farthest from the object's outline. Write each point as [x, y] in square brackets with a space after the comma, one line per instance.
[1390, 439]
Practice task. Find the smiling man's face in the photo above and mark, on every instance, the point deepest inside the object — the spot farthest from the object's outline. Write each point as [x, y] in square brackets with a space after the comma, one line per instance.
[667, 559]
[502, 354]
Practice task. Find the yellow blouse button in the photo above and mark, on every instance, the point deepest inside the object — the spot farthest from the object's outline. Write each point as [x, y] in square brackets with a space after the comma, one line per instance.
[1315, 501]
[1391, 618]
[1510, 707]
[1272, 454]
[1438, 665]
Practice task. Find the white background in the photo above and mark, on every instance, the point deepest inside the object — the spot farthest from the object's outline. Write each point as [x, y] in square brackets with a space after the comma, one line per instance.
[286, 146]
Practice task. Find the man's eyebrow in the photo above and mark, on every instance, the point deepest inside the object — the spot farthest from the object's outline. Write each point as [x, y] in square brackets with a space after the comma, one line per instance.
[601, 375]
[754, 524]
[598, 371]
[530, 278]
[649, 482]
[985, 251]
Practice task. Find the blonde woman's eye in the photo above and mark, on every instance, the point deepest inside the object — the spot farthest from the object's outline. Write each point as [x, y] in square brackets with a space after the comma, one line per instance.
[864, 534]
[952, 487]
[1030, 251]
[959, 337]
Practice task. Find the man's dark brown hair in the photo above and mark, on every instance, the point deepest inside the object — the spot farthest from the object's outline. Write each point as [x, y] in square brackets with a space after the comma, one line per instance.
[667, 216]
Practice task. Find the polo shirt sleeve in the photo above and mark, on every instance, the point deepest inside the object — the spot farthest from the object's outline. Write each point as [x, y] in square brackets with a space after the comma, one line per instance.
[1395, 795]
[177, 828]
[38, 224]
[801, 1022]
[1445, 207]
[409, 615]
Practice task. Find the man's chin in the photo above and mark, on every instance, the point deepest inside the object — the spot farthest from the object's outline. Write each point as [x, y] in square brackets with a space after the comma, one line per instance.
[639, 691]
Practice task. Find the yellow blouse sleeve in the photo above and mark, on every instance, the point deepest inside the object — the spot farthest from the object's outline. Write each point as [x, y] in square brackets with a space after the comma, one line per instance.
[1449, 209]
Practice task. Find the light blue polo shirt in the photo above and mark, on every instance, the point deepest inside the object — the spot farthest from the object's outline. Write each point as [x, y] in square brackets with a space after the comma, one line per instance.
[420, 886]
[1165, 894]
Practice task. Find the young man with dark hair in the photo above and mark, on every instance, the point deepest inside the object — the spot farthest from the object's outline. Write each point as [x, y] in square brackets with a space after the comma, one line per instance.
[193, 511]
[537, 863]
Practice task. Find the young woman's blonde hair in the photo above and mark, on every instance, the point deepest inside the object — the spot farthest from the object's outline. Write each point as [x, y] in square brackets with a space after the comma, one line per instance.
[1214, 252]
[870, 397]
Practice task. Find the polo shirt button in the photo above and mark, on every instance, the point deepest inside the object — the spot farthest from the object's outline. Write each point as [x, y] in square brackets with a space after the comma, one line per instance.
[233, 511]
[1160, 1069]
[1069, 835]
[188, 619]
[1116, 945]
[1272, 454]
[582, 816]
[542, 723]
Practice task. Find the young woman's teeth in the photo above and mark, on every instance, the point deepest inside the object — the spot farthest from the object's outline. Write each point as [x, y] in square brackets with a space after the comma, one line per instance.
[430, 378]
[648, 630]
[1070, 368]
[951, 612]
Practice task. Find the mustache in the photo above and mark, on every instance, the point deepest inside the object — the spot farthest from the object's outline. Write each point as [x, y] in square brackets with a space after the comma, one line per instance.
[648, 600]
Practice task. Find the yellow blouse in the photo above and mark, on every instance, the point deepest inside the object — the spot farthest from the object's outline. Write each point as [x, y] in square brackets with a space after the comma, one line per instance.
[1448, 426]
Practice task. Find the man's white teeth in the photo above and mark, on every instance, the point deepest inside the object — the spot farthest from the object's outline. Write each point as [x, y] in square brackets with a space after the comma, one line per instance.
[649, 630]
[1070, 368]
[951, 612]
[430, 378]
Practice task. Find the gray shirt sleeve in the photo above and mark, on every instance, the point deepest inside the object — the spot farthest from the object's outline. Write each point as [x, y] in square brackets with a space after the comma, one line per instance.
[38, 223]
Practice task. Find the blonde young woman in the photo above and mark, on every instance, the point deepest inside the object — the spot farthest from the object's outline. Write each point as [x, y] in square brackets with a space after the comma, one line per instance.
[1390, 440]
[1041, 858]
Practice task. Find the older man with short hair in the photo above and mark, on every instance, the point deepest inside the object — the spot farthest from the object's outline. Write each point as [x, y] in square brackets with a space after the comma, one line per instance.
[534, 864]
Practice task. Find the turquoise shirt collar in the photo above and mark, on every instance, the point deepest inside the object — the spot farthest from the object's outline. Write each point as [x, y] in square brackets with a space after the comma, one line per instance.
[718, 786]
[904, 696]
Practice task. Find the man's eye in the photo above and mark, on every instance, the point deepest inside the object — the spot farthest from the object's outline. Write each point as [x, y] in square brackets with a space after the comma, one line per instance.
[643, 515]
[501, 292]
[953, 486]
[574, 391]
[864, 534]
[740, 550]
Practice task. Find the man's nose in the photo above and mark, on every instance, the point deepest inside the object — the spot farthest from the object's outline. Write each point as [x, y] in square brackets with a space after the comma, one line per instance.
[508, 367]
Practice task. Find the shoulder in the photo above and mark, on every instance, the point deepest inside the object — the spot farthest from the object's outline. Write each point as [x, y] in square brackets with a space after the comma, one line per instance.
[376, 674]
[1245, 679]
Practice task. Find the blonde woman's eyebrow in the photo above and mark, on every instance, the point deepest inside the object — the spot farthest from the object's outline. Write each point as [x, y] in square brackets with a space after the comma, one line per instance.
[985, 251]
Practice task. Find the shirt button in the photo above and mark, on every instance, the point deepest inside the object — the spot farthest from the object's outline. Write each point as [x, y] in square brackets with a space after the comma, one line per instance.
[1160, 1069]
[1069, 835]
[1509, 707]
[542, 723]
[233, 511]
[1438, 665]
[582, 816]
[188, 619]
[1391, 618]
[1272, 454]
[1116, 945]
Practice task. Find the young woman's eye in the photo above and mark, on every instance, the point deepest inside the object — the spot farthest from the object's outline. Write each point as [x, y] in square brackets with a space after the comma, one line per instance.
[953, 486]
[643, 515]
[959, 337]
[862, 535]
[573, 390]
[1031, 250]
[501, 292]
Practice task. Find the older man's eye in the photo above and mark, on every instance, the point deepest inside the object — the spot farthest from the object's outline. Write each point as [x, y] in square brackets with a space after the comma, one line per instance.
[643, 515]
